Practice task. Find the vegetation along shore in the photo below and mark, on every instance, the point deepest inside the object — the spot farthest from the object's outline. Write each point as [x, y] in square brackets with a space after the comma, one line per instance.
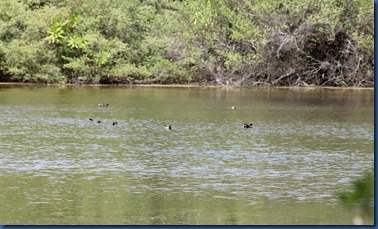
[223, 42]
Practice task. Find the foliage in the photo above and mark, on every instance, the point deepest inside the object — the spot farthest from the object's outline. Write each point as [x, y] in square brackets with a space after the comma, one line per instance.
[361, 195]
[230, 42]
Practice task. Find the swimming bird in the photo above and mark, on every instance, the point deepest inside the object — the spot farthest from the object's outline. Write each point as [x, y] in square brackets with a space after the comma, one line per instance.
[91, 119]
[115, 123]
[234, 107]
[103, 104]
[248, 125]
[167, 127]
[99, 121]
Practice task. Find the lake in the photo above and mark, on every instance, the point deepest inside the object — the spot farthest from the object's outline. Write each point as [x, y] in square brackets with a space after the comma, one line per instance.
[58, 167]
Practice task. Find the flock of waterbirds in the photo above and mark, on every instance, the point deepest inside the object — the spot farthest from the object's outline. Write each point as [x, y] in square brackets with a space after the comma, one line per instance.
[100, 121]
[166, 127]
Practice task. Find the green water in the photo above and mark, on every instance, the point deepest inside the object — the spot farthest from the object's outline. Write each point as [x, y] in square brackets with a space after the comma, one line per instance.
[57, 167]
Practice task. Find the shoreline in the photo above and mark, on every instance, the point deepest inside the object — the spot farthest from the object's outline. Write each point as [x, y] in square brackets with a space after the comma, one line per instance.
[181, 86]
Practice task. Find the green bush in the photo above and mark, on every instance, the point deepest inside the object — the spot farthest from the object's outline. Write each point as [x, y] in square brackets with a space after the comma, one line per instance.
[233, 42]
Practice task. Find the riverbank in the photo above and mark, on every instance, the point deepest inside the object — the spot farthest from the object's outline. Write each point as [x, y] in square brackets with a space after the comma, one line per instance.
[181, 86]
[239, 43]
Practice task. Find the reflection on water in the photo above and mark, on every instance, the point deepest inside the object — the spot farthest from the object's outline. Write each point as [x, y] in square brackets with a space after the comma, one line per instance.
[60, 168]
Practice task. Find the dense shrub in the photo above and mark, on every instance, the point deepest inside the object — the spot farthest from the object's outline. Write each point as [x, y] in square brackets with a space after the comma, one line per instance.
[229, 42]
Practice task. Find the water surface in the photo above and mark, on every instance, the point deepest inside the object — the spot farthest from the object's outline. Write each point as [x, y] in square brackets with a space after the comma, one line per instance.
[57, 167]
